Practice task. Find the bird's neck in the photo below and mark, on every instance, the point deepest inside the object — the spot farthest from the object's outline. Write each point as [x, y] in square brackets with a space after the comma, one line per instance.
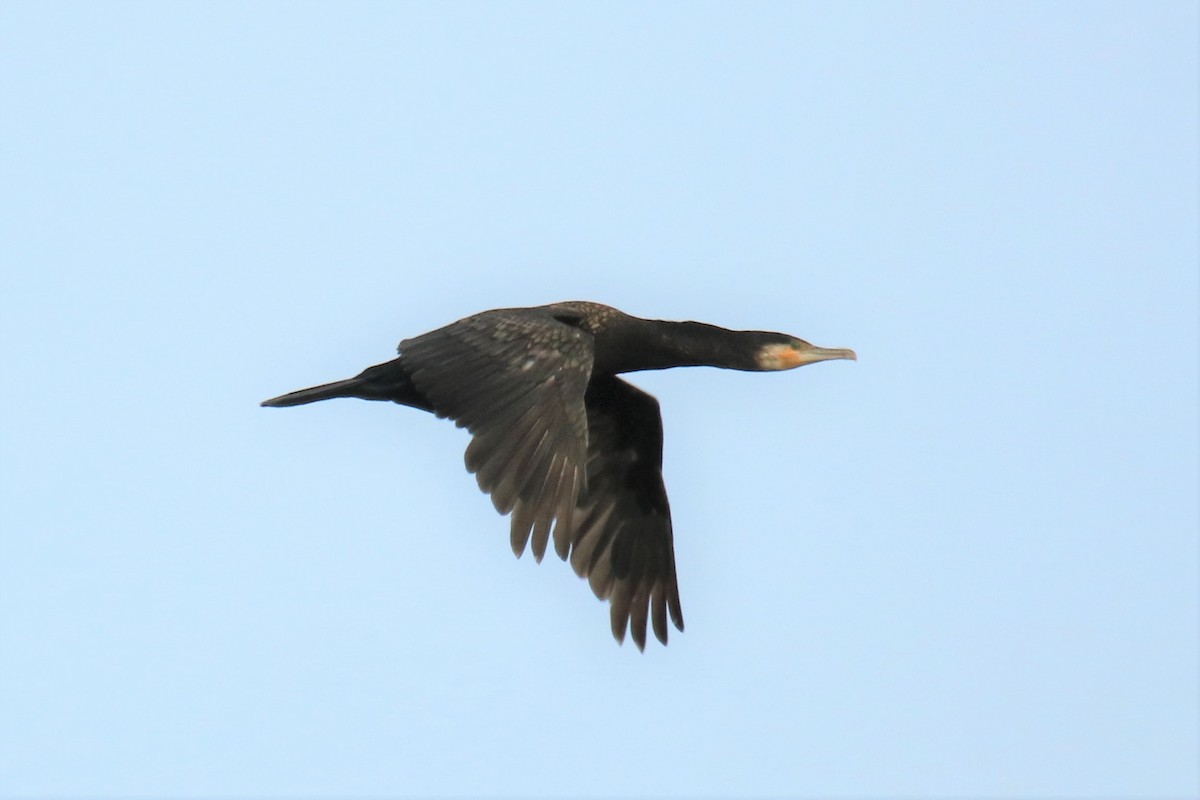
[655, 344]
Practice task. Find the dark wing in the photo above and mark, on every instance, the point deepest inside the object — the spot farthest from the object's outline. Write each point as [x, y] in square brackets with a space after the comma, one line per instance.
[623, 523]
[514, 378]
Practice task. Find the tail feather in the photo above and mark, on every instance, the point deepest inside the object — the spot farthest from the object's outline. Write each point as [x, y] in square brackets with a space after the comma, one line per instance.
[351, 387]
[388, 381]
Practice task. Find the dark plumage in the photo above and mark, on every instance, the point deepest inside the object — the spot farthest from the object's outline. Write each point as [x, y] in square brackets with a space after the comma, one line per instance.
[560, 441]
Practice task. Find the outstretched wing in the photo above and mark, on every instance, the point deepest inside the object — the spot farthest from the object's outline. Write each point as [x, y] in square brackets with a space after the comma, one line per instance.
[622, 541]
[514, 378]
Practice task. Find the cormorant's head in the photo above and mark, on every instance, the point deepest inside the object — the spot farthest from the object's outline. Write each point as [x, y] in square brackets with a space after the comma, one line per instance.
[789, 352]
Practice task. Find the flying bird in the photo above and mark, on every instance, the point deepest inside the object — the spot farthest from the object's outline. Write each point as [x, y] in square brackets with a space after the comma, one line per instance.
[562, 443]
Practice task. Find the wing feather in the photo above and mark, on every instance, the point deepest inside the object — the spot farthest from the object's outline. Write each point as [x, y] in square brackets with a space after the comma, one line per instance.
[570, 455]
[623, 539]
[515, 379]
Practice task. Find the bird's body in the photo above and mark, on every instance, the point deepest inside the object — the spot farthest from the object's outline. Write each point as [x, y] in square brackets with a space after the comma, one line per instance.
[561, 442]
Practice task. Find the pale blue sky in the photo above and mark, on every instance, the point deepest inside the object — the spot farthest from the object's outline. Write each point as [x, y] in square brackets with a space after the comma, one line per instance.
[965, 565]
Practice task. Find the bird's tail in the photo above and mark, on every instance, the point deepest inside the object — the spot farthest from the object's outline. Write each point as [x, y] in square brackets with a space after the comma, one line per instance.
[389, 381]
[351, 387]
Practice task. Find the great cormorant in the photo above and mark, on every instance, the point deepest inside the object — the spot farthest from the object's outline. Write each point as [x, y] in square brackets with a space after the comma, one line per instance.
[563, 443]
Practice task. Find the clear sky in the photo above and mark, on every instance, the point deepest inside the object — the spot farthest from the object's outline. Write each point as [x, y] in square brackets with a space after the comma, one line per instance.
[965, 565]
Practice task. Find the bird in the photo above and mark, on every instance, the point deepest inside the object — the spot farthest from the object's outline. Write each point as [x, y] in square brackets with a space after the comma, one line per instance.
[562, 443]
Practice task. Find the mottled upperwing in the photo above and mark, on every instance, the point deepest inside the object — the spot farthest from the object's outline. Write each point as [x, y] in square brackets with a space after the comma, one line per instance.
[623, 541]
[514, 378]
